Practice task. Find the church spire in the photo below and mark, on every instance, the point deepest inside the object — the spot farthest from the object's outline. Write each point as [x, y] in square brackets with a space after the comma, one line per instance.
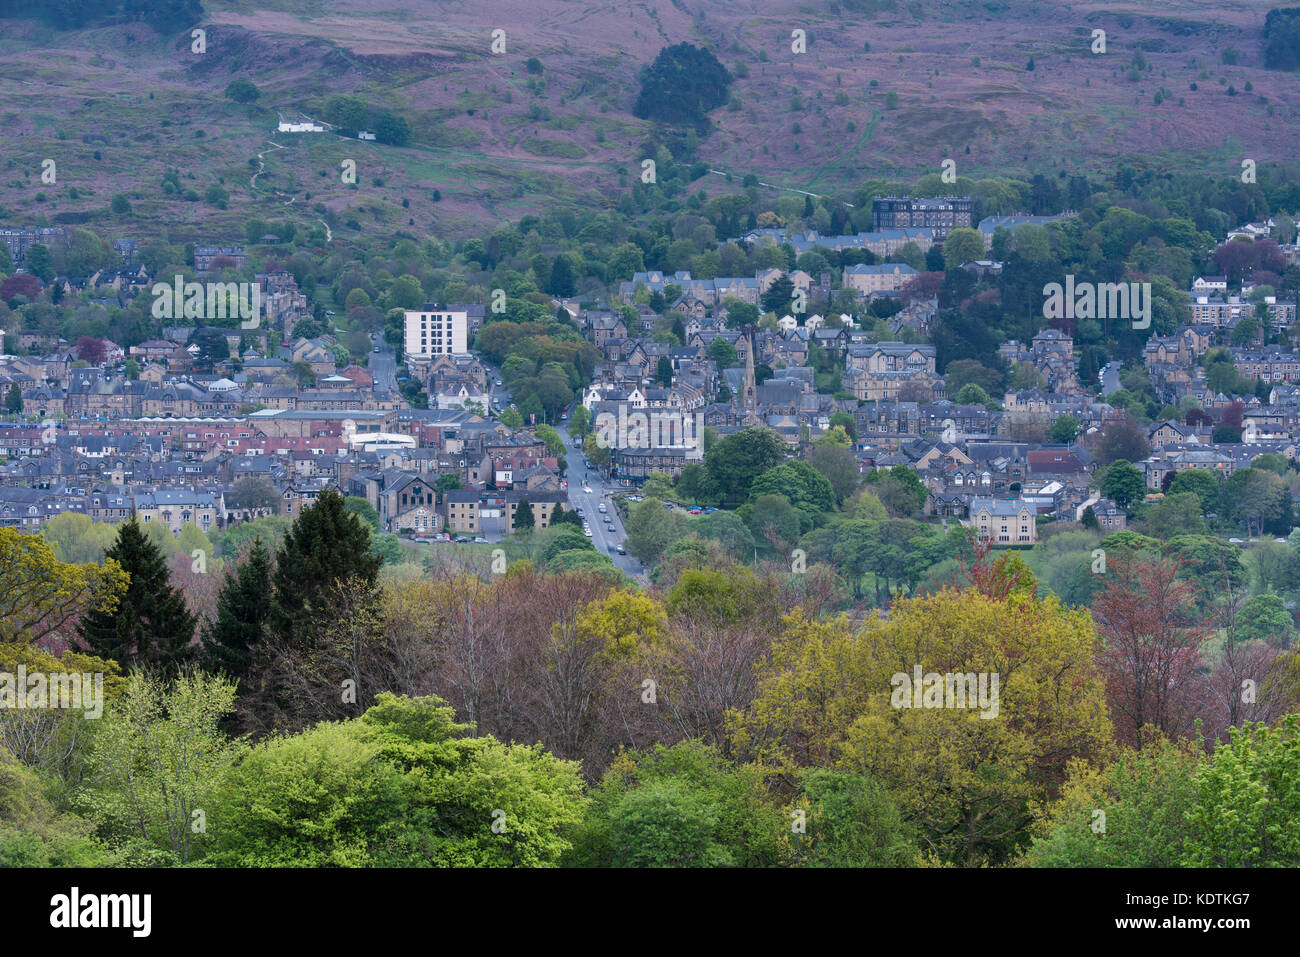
[749, 394]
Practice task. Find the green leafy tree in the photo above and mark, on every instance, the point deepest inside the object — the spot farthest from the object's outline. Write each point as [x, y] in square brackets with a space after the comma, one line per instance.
[838, 465]
[242, 90]
[679, 806]
[723, 353]
[1247, 802]
[160, 761]
[1265, 618]
[1123, 483]
[14, 400]
[900, 489]
[651, 528]
[962, 245]
[404, 785]
[802, 485]
[851, 821]
[1144, 796]
[1258, 499]
[1204, 483]
[254, 492]
[40, 262]
[151, 626]
[682, 85]
[1178, 514]
[734, 462]
[580, 421]
[971, 394]
[1064, 429]
[362, 508]
[739, 315]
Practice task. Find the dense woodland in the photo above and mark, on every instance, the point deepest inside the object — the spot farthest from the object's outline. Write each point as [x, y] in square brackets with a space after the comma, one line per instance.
[331, 712]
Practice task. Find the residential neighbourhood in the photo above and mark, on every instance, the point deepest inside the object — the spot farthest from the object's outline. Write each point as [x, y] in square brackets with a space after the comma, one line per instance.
[179, 428]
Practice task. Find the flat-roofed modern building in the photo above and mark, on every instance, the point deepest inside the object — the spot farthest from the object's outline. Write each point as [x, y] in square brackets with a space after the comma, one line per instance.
[434, 330]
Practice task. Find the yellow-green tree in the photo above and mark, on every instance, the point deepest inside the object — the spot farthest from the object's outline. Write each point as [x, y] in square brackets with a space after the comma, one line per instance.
[1008, 694]
[625, 622]
[78, 538]
[39, 593]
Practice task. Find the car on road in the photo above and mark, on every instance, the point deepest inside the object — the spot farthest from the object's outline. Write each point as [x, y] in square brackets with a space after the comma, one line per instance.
[580, 512]
[587, 532]
[622, 550]
[498, 381]
[376, 348]
[602, 507]
[586, 490]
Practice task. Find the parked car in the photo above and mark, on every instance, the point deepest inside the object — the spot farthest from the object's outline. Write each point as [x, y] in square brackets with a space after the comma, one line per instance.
[480, 541]
[696, 510]
[422, 541]
[587, 532]
[461, 539]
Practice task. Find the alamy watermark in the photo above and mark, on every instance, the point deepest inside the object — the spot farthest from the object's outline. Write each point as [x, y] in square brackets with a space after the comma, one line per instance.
[651, 430]
[947, 690]
[1105, 300]
[36, 691]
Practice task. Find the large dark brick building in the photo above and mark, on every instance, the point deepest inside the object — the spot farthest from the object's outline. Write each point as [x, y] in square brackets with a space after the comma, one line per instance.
[938, 213]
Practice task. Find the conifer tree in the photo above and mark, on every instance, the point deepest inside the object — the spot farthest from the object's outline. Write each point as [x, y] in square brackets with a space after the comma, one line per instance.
[151, 626]
[243, 611]
[326, 547]
[524, 517]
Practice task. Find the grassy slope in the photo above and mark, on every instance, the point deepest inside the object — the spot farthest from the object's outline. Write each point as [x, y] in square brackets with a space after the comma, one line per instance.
[67, 95]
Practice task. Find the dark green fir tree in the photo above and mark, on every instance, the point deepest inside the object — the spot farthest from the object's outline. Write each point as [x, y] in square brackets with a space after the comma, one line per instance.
[151, 627]
[243, 611]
